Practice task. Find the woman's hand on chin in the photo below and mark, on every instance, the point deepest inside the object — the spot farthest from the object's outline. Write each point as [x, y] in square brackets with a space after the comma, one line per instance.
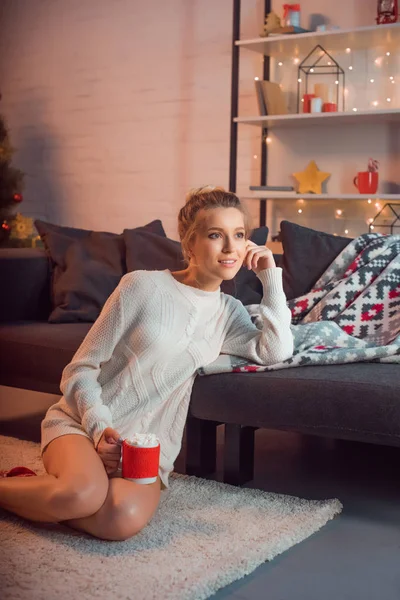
[258, 258]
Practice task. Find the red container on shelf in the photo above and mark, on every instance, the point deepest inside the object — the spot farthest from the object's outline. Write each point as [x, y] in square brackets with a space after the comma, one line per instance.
[307, 102]
[388, 12]
[329, 107]
[367, 182]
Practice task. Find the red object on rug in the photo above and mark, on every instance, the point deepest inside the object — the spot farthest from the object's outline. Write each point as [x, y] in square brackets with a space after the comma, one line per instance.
[18, 472]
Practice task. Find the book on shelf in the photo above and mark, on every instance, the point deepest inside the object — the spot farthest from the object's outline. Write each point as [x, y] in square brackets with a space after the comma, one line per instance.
[260, 98]
[271, 194]
[272, 188]
[270, 98]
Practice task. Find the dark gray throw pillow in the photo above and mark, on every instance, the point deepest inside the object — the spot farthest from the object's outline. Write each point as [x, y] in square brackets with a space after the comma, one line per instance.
[146, 251]
[149, 252]
[86, 268]
[155, 226]
[306, 255]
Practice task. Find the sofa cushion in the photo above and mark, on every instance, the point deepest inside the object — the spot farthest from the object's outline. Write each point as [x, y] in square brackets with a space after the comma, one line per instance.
[24, 274]
[146, 251]
[358, 401]
[155, 226]
[150, 252]
[86, 268]
[34, 354]
[306, 255]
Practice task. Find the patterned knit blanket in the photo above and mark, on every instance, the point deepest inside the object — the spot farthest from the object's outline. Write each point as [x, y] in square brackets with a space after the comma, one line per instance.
[351, 315]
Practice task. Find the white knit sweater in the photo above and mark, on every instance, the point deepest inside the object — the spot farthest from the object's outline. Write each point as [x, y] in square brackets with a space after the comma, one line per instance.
[135, 369]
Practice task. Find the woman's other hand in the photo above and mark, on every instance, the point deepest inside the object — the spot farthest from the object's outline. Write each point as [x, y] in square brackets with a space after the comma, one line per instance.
[109, 449]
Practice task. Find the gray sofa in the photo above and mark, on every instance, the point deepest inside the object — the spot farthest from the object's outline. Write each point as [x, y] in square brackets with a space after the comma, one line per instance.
[355, 402]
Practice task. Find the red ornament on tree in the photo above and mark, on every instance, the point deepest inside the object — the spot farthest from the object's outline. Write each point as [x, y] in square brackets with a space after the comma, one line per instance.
[5, 226]
[388, 11]
[17, 198]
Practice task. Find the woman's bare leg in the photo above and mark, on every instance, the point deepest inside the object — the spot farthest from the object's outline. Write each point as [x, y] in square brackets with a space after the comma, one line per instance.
[27, 498]
[128, 508]
[76, 484]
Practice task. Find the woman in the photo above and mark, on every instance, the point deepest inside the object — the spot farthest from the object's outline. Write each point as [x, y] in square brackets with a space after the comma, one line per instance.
[135, 370]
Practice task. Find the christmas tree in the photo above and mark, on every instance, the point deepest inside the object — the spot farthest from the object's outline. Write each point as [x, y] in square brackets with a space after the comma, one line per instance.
[11, 184]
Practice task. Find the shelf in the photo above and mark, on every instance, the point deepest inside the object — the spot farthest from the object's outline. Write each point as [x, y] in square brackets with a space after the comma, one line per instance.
[302, 43]
[291, 196]
[307, 119]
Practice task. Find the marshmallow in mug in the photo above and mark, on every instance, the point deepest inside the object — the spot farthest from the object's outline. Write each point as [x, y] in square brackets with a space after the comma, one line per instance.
[148, 440]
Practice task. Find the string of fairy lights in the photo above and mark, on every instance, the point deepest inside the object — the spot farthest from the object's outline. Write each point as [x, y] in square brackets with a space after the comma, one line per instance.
[380, 98]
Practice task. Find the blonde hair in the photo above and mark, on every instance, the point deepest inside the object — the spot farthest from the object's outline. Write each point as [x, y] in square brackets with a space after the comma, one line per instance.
[206, 198]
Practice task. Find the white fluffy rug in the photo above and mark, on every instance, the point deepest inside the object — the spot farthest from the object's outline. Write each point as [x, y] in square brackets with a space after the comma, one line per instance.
[204, 536]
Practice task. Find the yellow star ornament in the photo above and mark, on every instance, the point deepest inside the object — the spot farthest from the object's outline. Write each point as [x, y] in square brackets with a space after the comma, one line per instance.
[310, 180]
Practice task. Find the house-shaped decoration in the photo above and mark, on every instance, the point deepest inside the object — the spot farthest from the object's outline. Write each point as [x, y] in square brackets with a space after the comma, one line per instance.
[387, 218]
[320, 67]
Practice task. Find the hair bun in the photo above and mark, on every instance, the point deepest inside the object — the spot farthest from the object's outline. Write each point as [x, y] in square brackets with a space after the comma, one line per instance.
[205, 189]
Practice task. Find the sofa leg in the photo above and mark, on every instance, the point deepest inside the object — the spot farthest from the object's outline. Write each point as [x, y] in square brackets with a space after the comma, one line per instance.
[238, 454]
[201, 446]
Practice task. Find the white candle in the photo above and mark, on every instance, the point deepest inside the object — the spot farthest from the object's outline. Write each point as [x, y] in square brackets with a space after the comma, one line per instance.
[316, 105]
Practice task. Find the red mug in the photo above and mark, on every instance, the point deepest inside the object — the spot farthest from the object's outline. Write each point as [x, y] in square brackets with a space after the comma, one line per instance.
[366, 182]
[141, 458]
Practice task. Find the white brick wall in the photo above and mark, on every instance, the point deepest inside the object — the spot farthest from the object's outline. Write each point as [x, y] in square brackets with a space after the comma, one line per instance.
[117, 107]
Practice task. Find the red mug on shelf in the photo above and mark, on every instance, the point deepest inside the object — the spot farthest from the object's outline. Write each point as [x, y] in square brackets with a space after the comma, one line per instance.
[366, 182]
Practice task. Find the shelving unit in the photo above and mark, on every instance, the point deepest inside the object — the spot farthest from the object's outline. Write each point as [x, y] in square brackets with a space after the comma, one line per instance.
[310, 119]
[300, 45]
[358, 38]
[293, 196]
